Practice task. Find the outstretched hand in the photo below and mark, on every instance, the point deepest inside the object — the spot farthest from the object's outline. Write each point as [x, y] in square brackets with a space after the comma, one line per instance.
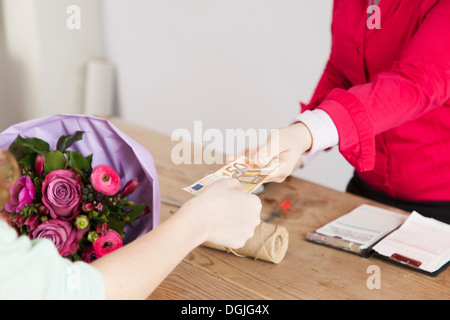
[284, 146]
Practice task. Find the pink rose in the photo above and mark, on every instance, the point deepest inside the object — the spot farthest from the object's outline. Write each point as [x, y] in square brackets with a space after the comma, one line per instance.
[22, 193]
[62, 233]
[107, 243]
[61, 194]
[105, 180]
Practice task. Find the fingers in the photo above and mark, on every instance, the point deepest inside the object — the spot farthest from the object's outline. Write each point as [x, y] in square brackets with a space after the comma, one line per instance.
[271, 149]
[233, 183]
[249, 153]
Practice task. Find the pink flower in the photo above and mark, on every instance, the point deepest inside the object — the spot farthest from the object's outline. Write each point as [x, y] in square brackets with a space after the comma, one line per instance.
[130, 187]
[87, 207]
[22, 193]
[39, 164]
[89, 254]
[62, 233]
[61, 194]
[32, 222]
[17, 220]
[107, 243]
[105, 180]
[102, 228]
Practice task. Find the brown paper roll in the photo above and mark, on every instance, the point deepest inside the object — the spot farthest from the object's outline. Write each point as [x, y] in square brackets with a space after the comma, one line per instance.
[269, 243]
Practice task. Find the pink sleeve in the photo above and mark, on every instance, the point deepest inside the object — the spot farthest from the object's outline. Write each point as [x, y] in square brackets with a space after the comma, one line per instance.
[417, 83]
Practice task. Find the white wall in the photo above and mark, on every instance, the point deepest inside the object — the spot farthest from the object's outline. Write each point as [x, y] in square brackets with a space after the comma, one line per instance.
[2, 70]
[44, 60]
[230, 64]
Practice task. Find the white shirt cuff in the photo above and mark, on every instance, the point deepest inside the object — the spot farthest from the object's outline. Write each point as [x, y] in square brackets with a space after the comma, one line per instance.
[323, 131]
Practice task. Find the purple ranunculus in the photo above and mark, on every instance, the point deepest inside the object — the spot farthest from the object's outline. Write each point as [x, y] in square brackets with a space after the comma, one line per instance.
[62, 233]
[22, 193]
[61, 194]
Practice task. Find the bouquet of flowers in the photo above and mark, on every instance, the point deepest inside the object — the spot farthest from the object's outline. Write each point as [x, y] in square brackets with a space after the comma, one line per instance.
[61, 195]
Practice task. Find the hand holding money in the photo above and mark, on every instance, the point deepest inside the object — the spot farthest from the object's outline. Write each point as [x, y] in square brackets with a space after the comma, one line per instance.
[270, 242]
[249, 175]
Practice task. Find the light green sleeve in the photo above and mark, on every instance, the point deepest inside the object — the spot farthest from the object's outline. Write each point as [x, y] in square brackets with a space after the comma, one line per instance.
[33, 269]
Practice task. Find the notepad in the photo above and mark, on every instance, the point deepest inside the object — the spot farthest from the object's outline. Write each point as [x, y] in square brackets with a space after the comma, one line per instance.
[420, 242]
[358, 230]
[412, 240]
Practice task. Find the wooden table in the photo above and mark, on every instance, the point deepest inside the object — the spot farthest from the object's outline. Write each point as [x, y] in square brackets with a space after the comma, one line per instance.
[308, 271]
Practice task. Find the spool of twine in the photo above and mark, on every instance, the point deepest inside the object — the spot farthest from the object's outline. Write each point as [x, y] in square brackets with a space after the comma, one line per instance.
[269, 243]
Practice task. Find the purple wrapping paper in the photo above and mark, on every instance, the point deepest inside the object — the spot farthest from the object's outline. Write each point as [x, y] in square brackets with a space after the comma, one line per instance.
[109, 146]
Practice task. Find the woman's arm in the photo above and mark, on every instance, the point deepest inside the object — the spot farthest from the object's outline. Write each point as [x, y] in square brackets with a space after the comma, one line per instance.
[222, 214]
[415, 84]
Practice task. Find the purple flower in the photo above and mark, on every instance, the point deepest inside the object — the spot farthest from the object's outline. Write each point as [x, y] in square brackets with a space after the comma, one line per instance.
[61, 194]
[22, 193]
[62, 233]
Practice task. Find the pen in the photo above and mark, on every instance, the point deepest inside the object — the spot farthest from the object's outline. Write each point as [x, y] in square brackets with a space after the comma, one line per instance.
[172, 202]
[284, 205]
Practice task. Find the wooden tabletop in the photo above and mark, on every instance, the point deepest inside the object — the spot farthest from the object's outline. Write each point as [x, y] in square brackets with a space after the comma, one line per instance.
[308, 271]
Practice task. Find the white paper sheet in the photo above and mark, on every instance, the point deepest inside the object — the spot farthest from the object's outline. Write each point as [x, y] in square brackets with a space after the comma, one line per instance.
[422, 239]
[364, 225]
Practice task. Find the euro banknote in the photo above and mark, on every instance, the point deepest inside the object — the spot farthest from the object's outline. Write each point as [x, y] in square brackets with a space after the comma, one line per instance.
[249, 175]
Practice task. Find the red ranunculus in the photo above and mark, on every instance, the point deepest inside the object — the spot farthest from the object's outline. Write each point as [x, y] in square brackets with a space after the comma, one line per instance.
[107, 243]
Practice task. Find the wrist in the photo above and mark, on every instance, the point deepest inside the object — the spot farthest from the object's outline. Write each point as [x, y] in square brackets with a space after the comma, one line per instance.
[191, 218]
[303, 135]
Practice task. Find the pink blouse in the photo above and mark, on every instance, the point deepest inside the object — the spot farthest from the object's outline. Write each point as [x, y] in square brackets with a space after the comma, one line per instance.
[387, 91]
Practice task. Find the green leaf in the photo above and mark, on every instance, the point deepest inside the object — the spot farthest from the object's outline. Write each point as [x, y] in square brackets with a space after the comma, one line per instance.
[28, 160]
[54, 160]
[77, 161]
[66, 142]
[21, 147]
[116, 224]
[89, 159]
[136, 210]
